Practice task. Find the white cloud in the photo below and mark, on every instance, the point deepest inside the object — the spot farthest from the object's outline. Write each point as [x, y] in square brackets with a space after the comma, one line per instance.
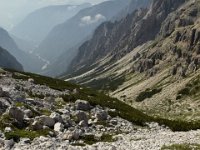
[87, 20]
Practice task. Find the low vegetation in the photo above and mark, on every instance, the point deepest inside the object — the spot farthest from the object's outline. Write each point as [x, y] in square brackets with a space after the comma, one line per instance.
[191, 89]
[181, 147]
[17, 134]
[121, 109]
[90, 139]
[107, 84]
[147, 94]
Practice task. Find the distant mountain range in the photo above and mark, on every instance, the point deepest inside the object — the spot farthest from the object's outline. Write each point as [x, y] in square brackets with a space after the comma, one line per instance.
[61, 45]
[67, 35]
[35, 27]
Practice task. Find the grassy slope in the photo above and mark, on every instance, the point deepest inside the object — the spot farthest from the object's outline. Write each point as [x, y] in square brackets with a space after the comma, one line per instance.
[96, 98]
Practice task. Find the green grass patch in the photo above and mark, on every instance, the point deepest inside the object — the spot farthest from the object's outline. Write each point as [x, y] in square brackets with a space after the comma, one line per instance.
[45, 112]
[182, 147]
[148, 93]
[90, 139]
[106, 84]
[5, 121]
[17, 134]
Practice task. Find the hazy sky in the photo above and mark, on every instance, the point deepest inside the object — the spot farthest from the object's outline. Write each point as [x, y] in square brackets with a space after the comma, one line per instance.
[13, 11]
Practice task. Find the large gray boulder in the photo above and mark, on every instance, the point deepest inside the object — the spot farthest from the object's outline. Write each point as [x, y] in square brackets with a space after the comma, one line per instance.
[4, 93]
[82, 105]
[101, 115]
[4, 104]
[81, 115]
[47, 121]
[16, 113]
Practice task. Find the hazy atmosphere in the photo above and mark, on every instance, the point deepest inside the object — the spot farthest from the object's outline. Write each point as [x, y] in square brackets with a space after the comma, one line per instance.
[13, 11]
[99, 74]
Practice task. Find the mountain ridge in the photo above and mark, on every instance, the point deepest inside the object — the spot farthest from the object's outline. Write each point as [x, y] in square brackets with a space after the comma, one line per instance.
[9, 61]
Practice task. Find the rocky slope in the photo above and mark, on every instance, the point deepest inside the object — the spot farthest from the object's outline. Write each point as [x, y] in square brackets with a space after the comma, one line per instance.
[43, 113]
[156, 70]
[9, 61]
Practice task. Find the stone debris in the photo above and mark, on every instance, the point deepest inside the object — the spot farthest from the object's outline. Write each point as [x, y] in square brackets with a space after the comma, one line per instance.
[71, 126]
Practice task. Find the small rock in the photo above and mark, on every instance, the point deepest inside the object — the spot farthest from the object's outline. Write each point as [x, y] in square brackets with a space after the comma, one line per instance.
[9, 143]
[113, 122]
[98, 136]
[71, 135]
[47, 121]
[76, 134]
[68, 136]
[59, 127]
[83, 123]
[37, 125]
[28, 113]
[57, 117]
[81, 115]
[25, 140]
[4, 93]
[31, 80]
[101, 115]
[90, 122]
[8, 129]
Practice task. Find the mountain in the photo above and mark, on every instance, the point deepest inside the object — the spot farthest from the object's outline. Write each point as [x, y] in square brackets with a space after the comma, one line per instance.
[67, 35]
[27, 60]
[35, 27]
[119, 38]
[8, 61]
[61, 46]
[133, 5]
[150, 59]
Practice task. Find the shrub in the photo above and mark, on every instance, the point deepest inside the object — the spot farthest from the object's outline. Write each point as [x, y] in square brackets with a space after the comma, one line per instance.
[17, 134]
[147, 94]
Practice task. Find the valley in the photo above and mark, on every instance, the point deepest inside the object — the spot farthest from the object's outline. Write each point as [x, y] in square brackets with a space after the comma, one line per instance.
[107, 75]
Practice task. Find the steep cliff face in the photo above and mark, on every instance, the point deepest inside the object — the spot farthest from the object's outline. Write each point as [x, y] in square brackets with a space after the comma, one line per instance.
[178, 43]
[159, 75]
[9, 61]
[119, 38]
